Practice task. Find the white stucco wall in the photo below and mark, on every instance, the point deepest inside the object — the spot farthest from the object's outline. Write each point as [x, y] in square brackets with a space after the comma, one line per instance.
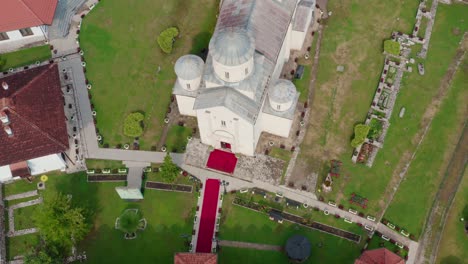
[46, 163]
[275, 125]
[297, 39]
[236, 73]
[190, 85]
[185, 105]
[5, 173]
[237, 131]
[16, 41]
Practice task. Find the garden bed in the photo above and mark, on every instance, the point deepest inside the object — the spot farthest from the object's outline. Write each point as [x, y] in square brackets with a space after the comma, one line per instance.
[168, 187]
[107, 178]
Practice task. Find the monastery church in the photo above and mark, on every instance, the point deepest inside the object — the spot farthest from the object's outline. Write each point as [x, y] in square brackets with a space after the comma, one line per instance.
[238, 92]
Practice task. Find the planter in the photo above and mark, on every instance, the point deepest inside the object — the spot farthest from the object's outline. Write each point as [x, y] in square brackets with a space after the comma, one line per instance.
[88, 86]
[126, 146]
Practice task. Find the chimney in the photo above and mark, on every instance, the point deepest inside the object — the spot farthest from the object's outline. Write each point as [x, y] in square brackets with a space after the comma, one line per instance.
[4, 118]
[8, 130]
[5, 85]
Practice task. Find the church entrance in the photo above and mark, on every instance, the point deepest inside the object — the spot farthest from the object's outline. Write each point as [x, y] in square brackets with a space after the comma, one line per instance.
[225, 145]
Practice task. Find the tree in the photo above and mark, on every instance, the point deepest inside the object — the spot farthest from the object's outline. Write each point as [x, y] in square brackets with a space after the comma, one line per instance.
[392, 47]
[2, 62]
[376, 128]
[59, 223]
[44, 254]
[166, 39]
[360, 134]
[168, 169]
[133, 124]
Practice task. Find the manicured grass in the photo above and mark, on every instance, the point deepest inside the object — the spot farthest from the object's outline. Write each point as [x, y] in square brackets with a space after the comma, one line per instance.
[25, 57]
[177, 138]
[377, 242]
[410, 206]
[281, 154]
[423, 27]
[20, 245]
[169, 215]
[246, 255]
[334, 131]
[23, 217]
[102, 164]
[452, 247]
[17, 187]
[241, 224]
[119, 41]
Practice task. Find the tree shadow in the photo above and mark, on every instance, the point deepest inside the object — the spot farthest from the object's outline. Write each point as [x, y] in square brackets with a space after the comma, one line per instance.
[200, 44]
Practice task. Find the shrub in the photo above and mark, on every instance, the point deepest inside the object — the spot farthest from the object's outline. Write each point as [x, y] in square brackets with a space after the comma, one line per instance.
[166, 39]
[392, 47]
[133, 124]
[375, 128]
[360, 134]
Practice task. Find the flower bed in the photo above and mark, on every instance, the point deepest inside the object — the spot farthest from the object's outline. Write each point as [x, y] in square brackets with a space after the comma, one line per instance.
[168, 186]
[107, 178]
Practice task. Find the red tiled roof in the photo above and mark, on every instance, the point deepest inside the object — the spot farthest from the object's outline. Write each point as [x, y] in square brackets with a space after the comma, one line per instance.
[18, 14]
[195, 258]
[36, 114]
[20, 169]
[379, 256]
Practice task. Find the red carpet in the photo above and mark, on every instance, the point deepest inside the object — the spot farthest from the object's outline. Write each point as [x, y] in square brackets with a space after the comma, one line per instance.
[222, 161]
[208, 216]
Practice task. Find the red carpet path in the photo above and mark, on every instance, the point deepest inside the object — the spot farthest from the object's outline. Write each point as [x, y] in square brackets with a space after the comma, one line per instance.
[222, 161]
[208, 216]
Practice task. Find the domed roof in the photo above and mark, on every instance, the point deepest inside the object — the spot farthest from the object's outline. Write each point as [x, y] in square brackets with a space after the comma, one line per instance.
[189, 67]
[298, 248]
[232, 46]
[282, 92]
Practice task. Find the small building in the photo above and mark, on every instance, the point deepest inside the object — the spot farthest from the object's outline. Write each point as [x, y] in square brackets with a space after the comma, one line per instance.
[195, 258]
[381, 256]
[298, 248]
[24, 23]
[33, 132]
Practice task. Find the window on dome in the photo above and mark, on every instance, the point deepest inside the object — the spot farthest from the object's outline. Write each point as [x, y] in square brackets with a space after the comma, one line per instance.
[278, 107]
[223, 123]
[188, 86]
[246, 71]
[226, 74]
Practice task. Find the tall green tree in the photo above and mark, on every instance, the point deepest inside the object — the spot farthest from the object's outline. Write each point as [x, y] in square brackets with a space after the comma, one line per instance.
[60, 224]
[168, 169]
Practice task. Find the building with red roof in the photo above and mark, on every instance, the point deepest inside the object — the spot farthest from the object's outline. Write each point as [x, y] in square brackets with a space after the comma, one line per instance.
[32, 121]
[195, 258]
[24, 22]
[379, 256]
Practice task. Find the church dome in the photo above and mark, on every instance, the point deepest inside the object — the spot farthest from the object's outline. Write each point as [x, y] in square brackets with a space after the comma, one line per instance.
[283, 91]
[189, 67]
[232, 46]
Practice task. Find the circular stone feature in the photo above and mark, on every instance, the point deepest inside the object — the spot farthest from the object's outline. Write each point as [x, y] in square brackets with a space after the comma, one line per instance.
[232, 46]
[298, 248]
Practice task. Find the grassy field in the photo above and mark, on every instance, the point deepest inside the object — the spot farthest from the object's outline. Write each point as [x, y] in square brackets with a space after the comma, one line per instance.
[241, 224]
[177, 138]
[453, 245]
[160, 240]
[409, 207]
[25, 57]
[377, 242]
[342, 100]
[119, 40]
[23, 217]
[229, 255]
[102, 164]
[19, 245]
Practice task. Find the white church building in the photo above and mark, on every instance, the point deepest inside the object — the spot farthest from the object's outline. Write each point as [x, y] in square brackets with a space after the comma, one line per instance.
[238, 92]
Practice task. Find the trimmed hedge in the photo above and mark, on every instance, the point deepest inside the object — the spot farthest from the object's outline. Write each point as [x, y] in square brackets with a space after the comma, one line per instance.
[166, 39]
[392, 47]
[133, 124]
[360, 134]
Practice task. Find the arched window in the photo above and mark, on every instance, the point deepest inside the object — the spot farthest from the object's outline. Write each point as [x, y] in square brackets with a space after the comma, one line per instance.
[188, 86]
[226, 74]
[278, 107]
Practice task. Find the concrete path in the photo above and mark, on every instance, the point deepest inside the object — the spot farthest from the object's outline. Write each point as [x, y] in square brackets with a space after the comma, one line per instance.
[239, 244]
[21, 195]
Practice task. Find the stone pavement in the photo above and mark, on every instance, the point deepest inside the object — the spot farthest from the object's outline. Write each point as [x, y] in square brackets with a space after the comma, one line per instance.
[21, 195]
[239, 244]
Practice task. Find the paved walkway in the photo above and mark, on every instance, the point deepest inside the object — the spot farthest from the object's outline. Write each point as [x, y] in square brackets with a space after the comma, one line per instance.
[21, 195]
[239, 244]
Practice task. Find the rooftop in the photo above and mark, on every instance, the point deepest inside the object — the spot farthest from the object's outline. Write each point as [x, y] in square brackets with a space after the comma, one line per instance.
[18, 14]
[34, 105]
[379, 256]
[195, 258]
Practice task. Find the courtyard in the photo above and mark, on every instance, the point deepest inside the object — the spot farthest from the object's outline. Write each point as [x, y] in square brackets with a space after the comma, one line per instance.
[162, 237]
[129, 72]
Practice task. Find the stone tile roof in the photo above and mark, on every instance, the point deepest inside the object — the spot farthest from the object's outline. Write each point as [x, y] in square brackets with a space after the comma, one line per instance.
[300, 18]
[18, 14]
[35, 109]
[195, 258]
[379, 256]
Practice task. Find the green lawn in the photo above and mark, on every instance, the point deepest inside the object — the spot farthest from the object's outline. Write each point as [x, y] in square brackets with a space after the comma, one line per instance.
[229, 255]
[329, 135]
[377, 242]
[102, 164]
[409, 208]
[177, 138]
[122, 55]
[23, 217]
[241, 224]
[19, 245]
[25, 57]
[423, 27]
[302, 85]
[452, 247]
[18, 187]
[169, 214]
